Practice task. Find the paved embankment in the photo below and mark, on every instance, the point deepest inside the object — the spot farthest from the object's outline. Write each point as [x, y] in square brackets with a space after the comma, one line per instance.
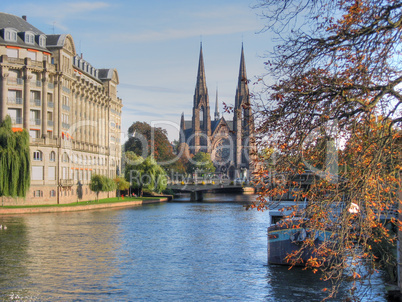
[73, 208]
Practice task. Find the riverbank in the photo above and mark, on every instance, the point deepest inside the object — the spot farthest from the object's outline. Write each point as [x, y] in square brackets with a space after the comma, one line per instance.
[82, 206]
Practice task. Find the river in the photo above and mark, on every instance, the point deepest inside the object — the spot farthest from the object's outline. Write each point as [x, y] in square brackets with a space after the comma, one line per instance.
[179, 251]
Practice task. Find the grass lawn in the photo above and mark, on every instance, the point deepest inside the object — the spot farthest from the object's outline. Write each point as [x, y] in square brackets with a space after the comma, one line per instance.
[80, 203]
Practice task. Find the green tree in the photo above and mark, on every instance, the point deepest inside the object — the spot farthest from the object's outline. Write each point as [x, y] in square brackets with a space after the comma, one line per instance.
[101, 183]
[122, 184]
[201, 161]
[145, 174]
[337, 70]
[14, 161]
[144, 139]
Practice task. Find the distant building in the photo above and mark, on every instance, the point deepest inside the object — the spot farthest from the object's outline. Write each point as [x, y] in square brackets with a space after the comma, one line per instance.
[230, 143]
[69, 107]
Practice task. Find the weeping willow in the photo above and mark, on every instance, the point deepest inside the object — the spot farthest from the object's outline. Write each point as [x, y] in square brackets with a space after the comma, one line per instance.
[14, 161]
[146, 174]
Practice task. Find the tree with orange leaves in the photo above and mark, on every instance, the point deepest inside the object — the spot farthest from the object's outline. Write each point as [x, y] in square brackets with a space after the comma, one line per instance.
[336, 107]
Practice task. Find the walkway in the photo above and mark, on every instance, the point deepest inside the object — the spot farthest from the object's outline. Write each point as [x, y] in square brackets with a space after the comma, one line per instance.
[74, 208]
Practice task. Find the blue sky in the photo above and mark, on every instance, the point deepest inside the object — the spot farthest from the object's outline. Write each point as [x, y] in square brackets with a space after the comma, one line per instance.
[154, 45]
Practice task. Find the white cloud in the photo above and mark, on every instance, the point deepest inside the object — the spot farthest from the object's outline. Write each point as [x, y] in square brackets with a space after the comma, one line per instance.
[181, 23]
[57, 13]
[174, 34]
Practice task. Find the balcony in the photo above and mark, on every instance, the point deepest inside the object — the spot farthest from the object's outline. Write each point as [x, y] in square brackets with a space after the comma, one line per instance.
[36, 102]
[35, 122]
[14, 100]
[65, 107]
[16, 61]
[37, 63]
[36, 83]
[37, 140]
[15, 81]
[65, 89]
[66, 182]
[16, 120]
[50, 123]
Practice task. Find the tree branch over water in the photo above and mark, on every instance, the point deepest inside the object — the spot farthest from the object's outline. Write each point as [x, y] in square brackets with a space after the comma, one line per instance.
[337, 81]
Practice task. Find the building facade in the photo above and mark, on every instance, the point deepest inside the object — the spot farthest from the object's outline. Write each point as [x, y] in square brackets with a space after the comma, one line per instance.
[230, 143]
[70, 109]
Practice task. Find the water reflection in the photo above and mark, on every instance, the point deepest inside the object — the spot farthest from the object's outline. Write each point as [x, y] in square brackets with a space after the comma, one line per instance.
[59, 255]
[167, 252]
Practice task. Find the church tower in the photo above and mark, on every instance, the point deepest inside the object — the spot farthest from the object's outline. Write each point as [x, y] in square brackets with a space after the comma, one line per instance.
[201, 121]
[243, 122]
[217, 115]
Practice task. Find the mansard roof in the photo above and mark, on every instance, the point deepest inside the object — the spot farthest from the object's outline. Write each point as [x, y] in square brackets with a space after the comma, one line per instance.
[7, 20]
[22, 28]
[108, 74]
[56, 40]
[105, 74]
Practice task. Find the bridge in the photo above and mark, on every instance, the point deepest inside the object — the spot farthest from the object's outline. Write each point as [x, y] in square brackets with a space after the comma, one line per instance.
[197, 189]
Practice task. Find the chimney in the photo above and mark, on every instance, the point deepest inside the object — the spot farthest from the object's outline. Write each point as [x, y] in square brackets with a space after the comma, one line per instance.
[24, 17]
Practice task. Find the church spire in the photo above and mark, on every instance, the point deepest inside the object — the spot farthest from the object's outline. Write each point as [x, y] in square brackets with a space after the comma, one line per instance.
[182, 122]
[242, 92]
[216, 106]
[201, 86]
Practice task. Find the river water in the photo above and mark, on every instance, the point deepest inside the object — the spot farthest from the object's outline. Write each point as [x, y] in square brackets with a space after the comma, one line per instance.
[179, 251]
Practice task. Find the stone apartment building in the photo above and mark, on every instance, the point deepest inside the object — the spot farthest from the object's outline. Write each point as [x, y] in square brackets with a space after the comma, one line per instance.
[69, 107]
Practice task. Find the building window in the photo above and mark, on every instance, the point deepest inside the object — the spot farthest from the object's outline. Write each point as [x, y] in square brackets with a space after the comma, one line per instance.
[52, 193]
[35, 117]
[15, 115]
[64, 119]
[38, 193]
[37, 173]
[65, 157]
[31, 55]
[42, 41]
[51, 173]
[34, 133]
[37, 155]
[29, 38]
[12, 53]
[35, 97]
[50, 122]
[14, 97]
[10, 35]
[52, 156]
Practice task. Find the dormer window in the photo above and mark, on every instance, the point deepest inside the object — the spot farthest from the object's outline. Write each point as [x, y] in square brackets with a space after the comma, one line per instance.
[41, 40]
[10, 35]
[29, 38]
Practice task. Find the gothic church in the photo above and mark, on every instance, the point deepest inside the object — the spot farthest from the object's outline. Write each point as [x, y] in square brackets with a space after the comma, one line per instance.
[230, 143]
